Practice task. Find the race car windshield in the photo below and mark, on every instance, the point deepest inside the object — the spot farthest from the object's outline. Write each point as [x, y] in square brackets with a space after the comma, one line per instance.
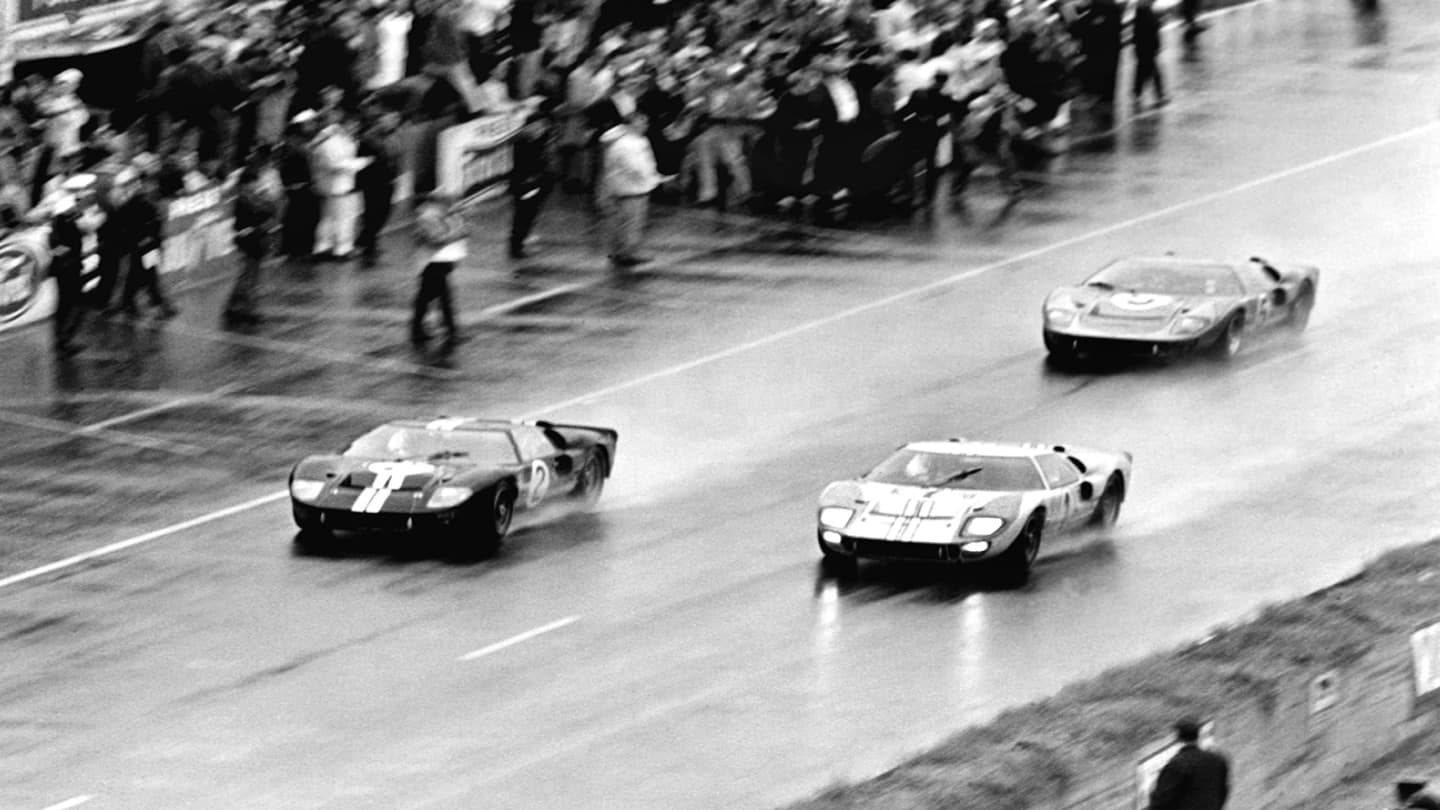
[399, 442]
[1195, 279]
[917, 468]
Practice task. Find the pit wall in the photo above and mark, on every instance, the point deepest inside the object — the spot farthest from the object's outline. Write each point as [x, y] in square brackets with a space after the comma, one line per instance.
[1288, 743]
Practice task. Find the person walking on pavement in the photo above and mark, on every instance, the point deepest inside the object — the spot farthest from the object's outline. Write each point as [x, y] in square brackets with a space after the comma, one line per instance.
[66, 247]
[376, 181]
[255, 215]
[531, 177]
[627, 176]
[143, 225]
[440, 233]
[1195, 778]
[111, 242]
[1145, 39]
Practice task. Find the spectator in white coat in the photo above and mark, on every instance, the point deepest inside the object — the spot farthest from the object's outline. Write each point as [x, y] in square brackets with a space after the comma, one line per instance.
[336, 162]
[627, 176]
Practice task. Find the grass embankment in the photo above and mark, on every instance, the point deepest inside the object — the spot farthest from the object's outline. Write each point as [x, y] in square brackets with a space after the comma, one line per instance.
[1029, 755]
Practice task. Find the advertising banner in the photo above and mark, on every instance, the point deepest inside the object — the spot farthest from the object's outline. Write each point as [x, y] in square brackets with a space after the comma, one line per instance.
[28, 10]
[199, 227]
[473, 159]
[26, 292]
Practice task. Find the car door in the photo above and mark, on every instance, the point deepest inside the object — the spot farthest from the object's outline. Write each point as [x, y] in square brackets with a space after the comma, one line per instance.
[1264, 291]
[549, 467]
[1063, 483]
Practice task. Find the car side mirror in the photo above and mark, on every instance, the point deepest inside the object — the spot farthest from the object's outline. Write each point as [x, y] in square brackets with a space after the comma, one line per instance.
[564, 465]
[1087, 490]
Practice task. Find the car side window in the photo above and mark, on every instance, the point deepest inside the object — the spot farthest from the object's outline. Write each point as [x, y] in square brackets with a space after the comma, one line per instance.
[533, 443]
[1057, 471]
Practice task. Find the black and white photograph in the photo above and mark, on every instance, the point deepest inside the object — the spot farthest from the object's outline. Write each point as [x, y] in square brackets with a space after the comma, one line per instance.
[719, 404]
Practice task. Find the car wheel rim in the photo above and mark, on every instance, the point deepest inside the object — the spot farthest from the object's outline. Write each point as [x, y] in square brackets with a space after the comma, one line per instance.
[502, 514]
[1032, 543]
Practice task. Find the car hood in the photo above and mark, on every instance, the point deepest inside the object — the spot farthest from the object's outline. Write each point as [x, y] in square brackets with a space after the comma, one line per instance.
[1130, 311]
[918, 514]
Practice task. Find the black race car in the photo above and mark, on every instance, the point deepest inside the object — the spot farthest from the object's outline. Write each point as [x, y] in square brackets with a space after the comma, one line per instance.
[1161, 307]
[463, 478]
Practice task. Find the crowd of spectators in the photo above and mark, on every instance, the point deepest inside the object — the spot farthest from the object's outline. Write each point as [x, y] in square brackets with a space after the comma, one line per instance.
[764, 103]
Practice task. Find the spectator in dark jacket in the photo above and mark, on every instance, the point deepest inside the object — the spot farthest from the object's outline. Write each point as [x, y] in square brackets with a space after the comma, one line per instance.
[1145, 39]
[255, 214]
[143, 222]
[376, 181]
[1195, 778]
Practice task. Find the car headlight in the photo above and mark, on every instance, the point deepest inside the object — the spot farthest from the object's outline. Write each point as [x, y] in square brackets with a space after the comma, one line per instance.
[446, 497]
[836, 516]
[1059, 318]
[982, 526]
[975, 547]
[305, 490]
[1190, 325]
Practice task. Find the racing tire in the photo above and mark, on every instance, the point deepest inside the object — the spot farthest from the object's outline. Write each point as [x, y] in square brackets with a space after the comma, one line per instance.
[1300, 310]
[1013, 568]
[840, 565]
[493, 518]
[1107, 512]
[1232, 339]
[314, 538]
[590, 482]
[1060, 355]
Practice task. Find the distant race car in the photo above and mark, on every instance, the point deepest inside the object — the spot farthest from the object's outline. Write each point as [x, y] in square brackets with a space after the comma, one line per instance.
[1161, 307]
[965, 502]
[463, 478]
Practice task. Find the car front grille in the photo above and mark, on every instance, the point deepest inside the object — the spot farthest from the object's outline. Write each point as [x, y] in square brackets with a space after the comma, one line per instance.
[363, 521]
[890, 550]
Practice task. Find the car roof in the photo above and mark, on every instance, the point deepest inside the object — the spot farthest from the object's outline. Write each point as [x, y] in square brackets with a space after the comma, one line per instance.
[445, 423]
[1171, 262]
[965, 447]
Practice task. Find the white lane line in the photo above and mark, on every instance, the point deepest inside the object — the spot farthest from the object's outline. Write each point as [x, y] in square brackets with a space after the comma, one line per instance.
[69, 803]
[949, 281]
[533, 298]
[513, 640]
[178, 402]
[144, 538]
[795, 330]
[115, 436]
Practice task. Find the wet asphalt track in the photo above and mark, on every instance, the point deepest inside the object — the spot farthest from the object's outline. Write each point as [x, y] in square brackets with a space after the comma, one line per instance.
[681, 647]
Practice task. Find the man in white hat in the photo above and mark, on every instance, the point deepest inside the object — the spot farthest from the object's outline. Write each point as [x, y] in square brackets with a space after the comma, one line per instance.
[65, 115]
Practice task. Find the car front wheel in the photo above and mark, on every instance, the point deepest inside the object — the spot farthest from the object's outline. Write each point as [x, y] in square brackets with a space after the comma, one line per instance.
[1014, 565]
[494, 517]
[1232, 340]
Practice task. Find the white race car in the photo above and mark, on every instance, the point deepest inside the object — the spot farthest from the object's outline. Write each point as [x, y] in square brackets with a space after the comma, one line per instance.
[964, 502]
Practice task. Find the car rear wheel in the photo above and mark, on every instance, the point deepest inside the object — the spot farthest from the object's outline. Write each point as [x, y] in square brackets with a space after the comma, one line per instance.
[1300, 310]
[1232, 340]
[590, 482]
[494, 517]
[1014, 566]
[1107, 512]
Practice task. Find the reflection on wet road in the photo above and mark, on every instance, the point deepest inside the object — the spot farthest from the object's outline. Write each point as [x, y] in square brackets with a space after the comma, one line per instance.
[681, 647]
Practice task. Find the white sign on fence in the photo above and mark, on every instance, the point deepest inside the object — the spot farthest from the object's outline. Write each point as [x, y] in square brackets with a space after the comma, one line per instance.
[1425, 654]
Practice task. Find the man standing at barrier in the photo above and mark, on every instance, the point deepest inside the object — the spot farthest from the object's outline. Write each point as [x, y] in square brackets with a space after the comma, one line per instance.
[65, 257]
[531, 177]
[1195, 778]
[380, 145]
[142, 222]
[254, 221]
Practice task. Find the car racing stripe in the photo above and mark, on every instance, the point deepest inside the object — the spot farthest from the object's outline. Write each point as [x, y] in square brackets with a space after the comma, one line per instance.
[377, 501]
[363, 501]
[926, 507]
